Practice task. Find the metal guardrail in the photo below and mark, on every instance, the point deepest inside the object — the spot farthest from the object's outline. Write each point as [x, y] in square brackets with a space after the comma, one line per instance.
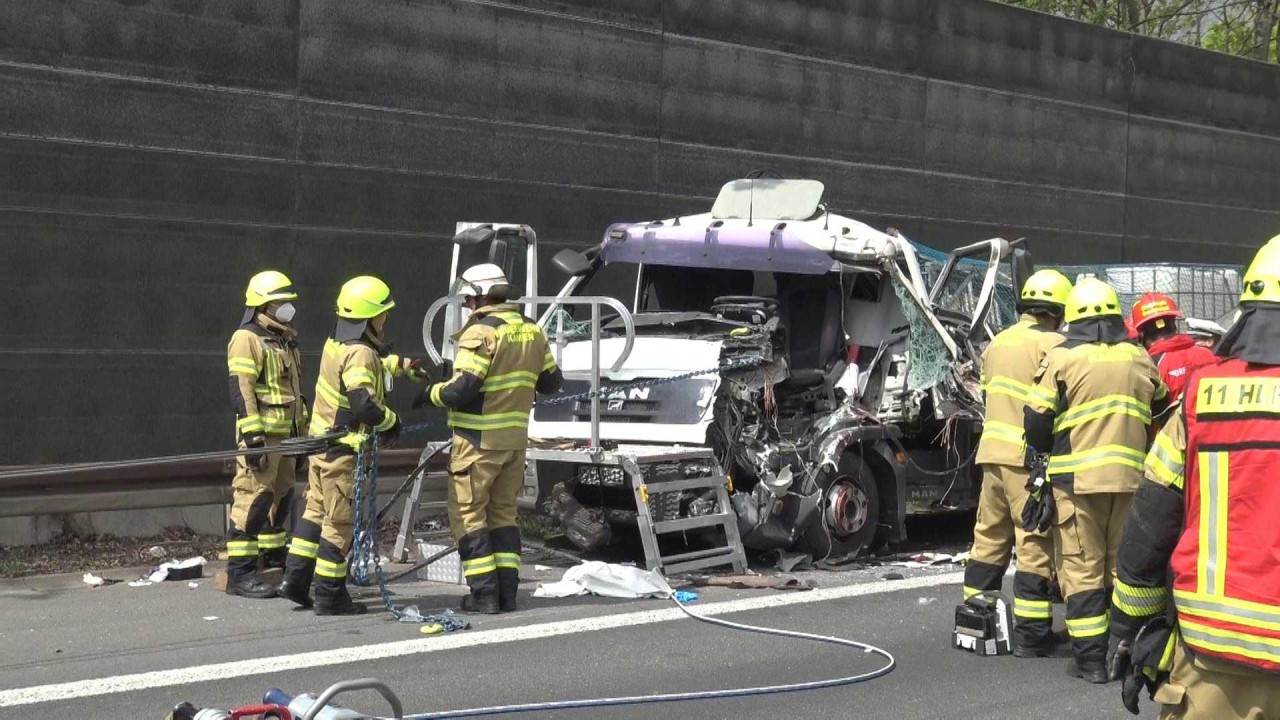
[160, 485]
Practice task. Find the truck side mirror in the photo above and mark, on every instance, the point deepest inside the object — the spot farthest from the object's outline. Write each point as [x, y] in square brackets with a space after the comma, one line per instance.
[1022, 268]
[572, 262]
[475, 236]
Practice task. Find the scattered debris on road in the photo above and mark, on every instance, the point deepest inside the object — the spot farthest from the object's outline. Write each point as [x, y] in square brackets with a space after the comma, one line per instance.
[72, 553]
[754, 582]
[608, 580]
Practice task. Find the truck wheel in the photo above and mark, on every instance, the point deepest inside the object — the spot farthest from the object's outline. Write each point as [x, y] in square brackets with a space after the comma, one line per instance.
[848, 512]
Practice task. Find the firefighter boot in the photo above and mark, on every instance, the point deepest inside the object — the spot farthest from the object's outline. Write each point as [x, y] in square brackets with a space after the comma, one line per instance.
[248, 516]
[484, 602]
[1033, 634]
[506, 554]
[481, 570]
[508, 585]
[242, 580]
[298, 572]
[1088, 670]
[332, 598]
[300, 565]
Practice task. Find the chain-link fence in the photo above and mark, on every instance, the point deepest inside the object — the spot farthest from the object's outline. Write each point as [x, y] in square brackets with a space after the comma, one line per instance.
[1208, 292]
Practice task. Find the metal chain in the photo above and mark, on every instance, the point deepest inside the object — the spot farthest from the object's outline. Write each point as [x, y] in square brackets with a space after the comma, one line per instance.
[364, 553]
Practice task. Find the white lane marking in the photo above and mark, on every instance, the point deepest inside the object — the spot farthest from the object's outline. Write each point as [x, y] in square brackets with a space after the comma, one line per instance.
[365, 653]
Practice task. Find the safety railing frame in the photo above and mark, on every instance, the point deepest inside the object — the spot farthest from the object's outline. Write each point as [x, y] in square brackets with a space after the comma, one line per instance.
[595, 302]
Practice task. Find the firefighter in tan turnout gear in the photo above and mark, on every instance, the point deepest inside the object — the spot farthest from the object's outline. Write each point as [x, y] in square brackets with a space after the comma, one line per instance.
[1008, 368]
[349, 397]
[266, 390]
[1091, 410]
[502, 359]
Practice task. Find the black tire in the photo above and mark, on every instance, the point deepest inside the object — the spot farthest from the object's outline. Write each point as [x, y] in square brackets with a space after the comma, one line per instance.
[848, 512]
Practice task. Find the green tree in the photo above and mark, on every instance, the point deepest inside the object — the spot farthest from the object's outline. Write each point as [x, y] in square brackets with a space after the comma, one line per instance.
[1248, 28]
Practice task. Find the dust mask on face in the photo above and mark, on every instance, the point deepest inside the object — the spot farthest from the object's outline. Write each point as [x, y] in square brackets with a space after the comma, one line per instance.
[285, 312]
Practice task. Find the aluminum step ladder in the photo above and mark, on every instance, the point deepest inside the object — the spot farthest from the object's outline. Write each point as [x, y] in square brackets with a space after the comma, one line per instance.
[406, 537]
[636, 461]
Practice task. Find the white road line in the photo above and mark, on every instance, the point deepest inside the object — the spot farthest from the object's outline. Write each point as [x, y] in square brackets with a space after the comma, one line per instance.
[364, 653]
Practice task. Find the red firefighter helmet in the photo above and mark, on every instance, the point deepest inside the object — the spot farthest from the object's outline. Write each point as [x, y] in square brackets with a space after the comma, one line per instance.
[1153, 306]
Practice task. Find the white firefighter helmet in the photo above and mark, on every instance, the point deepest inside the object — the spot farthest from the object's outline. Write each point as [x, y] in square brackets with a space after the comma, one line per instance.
[481, 280]
[1204, 328]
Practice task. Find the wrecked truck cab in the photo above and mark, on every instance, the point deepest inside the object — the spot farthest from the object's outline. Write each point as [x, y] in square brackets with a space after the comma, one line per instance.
[835, 383]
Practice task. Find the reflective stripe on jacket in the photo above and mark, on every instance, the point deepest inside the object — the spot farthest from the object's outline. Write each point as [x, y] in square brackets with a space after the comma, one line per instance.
[350, 391]
[265, 372]
[503, 359]
[1098, 397]
[1009, 367]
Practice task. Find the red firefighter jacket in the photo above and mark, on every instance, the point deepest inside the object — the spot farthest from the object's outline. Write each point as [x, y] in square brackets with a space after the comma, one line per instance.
[1213, 488]
[1176, 357]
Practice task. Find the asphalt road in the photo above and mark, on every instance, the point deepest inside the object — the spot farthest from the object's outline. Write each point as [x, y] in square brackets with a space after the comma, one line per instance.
[120, 652]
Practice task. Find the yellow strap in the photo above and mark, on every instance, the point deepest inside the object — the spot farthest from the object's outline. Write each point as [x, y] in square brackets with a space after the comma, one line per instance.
[303, 548]
[271, 541]
[1032, 609]
[1003, 431]
[490, 421]
[1103, 407]
[242, 366]
[479, 566]
[1258, 647]
[507, 381]
[1166, 463]
[1241, 612]
[1211, 567]
[388, 419]
[505, 560]
[326, 568]
[331, 394]
[1004, 385]
[1137, 601]
[1097, 457]
[548, 362]
[242, 548]
[358, 377]
[469, 362]
[1088, 627]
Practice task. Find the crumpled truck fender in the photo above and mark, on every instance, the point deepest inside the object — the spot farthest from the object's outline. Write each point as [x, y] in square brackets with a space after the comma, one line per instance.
[874, 445]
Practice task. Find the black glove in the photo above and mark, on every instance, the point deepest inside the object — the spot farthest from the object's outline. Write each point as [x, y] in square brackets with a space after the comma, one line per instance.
[415, 370]
[1118, 660]
[255, 460]
[1039, 512]
[389, 437]
[422, 399]
[301, 464]
[1146, 653]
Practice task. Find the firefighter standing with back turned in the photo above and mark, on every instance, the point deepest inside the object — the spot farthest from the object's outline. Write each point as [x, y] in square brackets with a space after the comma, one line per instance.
[502, 359]
[349, 396]
[1008, 368]
[1207, 522]
[1092, 410]
[265, 374]
[1175, 354]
